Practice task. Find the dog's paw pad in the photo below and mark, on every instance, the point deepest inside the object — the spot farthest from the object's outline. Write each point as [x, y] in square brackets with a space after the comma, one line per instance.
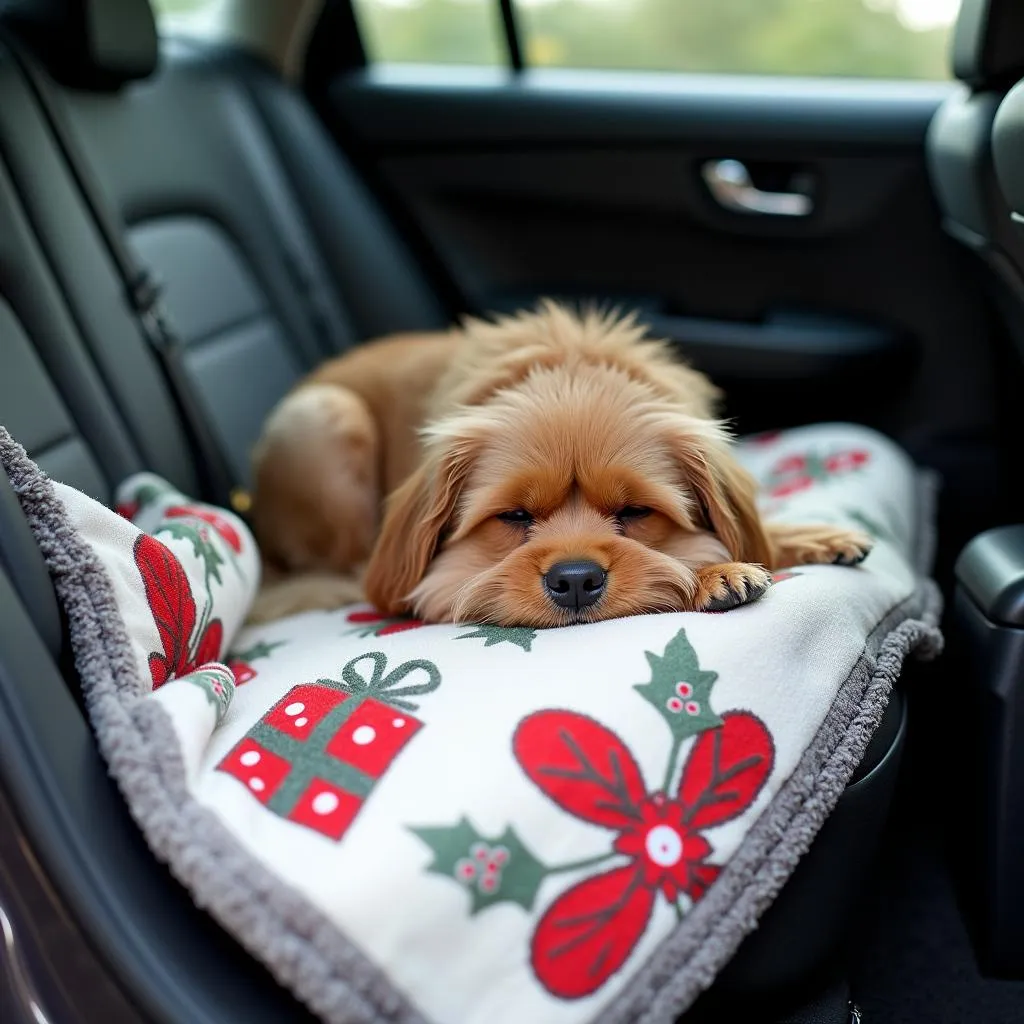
[731, 587]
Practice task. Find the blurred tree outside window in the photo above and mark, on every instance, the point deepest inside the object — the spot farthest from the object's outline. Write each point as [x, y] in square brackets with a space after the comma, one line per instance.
[859, 38]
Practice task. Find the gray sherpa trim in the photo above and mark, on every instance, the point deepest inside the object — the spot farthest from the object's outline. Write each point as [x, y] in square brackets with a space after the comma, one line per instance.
[303, 949]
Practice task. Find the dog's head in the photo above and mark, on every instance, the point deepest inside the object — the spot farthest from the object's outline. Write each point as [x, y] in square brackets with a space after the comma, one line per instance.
[579, 490]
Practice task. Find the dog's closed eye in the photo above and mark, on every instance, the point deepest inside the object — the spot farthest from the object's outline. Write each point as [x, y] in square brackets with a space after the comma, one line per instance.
[516, 517]
[630, 512]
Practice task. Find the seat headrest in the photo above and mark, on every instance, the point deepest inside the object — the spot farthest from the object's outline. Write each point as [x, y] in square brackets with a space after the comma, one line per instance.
[988, 43]
[87, 44]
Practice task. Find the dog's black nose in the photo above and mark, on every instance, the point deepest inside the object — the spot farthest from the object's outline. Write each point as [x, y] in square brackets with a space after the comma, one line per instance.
[575, 584]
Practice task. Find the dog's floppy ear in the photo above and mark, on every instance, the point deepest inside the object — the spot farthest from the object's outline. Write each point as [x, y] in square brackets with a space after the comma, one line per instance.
[415, 518]
[726, 492]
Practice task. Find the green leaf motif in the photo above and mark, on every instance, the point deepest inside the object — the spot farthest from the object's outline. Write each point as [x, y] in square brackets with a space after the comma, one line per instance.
[218, 685]
[680, 689]
[258, 650]
[149, 492]
[383, 687]
[521, 636]
[491, 870]
[201, 546]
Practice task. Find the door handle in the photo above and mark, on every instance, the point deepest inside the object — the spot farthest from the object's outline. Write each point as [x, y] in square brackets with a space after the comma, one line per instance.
[730, 185]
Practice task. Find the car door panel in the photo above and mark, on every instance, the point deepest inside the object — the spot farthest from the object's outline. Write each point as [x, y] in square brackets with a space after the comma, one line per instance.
[589, 185]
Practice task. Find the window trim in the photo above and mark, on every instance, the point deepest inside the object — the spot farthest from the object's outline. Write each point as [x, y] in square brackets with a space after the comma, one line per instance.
[512, 37]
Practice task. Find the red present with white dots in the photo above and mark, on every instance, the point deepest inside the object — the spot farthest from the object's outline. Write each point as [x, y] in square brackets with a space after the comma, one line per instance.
[316, 754]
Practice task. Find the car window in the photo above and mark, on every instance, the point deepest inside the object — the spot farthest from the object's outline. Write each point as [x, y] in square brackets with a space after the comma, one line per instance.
[872, 38]
[432, 31]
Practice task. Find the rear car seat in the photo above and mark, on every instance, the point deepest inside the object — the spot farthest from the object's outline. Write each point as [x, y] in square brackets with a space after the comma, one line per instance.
[81, 388]
[272, 253]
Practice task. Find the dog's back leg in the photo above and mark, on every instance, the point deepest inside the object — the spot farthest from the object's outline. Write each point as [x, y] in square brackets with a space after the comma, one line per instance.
[316, 500]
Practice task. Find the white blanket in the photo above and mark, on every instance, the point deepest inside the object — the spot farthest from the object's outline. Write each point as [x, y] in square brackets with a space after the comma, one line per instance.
[469, 824]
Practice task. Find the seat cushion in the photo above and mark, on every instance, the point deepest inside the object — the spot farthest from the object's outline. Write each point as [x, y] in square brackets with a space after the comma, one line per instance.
[469, 823]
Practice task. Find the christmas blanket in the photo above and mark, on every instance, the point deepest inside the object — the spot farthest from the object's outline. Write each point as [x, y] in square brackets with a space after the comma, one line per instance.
[468, 823]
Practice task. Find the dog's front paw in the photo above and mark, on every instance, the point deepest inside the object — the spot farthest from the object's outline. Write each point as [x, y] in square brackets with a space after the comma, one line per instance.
[822, 544]
[721, 587]
[839, 547]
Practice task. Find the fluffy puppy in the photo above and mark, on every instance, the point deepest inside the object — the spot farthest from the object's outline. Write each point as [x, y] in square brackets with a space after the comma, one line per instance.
[545, 469]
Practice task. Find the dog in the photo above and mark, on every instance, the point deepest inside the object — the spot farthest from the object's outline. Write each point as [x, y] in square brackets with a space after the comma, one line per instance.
[542, 469]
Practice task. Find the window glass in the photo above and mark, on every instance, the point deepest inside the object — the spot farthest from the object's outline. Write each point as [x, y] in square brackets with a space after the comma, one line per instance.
[878, 38]
[188, 16]
[872, 38]
[432, 31]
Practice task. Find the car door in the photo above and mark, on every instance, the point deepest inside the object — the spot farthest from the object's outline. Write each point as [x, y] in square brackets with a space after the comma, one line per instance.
[749, 174]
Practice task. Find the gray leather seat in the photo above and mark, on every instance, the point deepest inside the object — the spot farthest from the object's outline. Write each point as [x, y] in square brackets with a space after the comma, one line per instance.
[272, 252]
[988, 58]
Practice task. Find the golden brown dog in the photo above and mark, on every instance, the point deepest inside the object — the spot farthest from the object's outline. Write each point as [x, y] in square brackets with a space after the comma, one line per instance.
[544, 469]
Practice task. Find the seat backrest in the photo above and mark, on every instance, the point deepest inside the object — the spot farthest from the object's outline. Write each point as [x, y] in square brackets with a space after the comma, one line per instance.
[272, 252]
[1008, 156]
[988, 57]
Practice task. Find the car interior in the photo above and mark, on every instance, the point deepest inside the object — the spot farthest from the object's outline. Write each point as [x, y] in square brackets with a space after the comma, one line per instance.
[191, 222]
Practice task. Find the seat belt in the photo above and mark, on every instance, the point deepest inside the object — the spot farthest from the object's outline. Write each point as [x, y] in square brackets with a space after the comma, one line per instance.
[333, 327]
[143, 294]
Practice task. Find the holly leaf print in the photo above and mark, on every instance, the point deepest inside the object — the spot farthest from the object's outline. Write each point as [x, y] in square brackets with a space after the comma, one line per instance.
[582, 766]
[726, 770]
[201, 546]
[147, 493]
[679, 689]
[588, 933]
[256, 651]
[170, 601]
[519, 636]
[492, 870]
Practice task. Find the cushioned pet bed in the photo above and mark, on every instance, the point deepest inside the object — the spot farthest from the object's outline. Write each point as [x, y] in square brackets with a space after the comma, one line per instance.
[470, 823]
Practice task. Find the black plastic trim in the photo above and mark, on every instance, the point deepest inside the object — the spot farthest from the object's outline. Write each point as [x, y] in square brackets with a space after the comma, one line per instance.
[991, 570]
[511, 27]
[434, 106]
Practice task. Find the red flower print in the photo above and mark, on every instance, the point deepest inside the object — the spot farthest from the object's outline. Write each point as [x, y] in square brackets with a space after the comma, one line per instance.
[127, 509]
[170, 600]
[766, 438]
[791, 464]
[669, 854]
[215, 519]
[845, 461]
[589, 931]
[209, 645]
[364, 617]
[792, 486]
[242, 671]
[794, 473]
[380, 625]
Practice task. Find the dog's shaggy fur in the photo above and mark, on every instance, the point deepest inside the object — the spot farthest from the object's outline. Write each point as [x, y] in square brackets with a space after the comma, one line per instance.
[506, 450]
